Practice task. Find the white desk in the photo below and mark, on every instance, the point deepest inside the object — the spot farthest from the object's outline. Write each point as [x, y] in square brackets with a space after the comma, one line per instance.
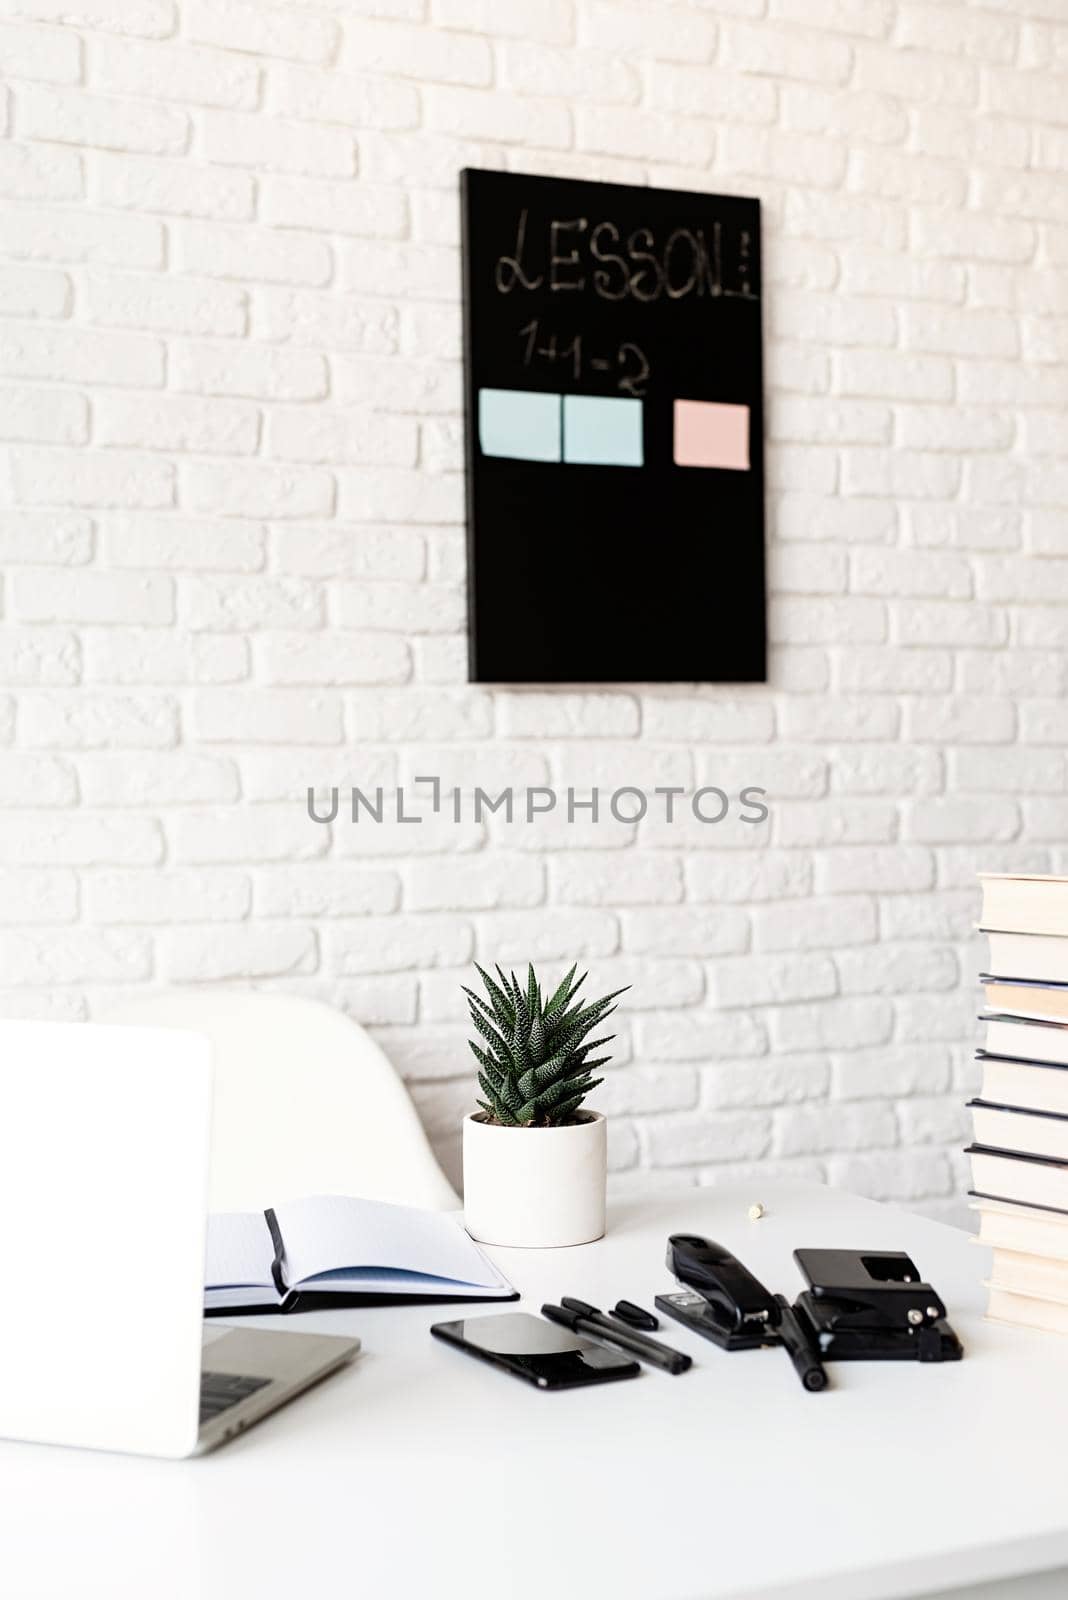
[420, 1472]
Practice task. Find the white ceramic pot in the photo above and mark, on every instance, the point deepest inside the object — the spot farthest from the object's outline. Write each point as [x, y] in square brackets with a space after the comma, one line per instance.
[535, 1187]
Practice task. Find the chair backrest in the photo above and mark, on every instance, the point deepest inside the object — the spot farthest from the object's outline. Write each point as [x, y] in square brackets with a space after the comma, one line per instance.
[305, 1102]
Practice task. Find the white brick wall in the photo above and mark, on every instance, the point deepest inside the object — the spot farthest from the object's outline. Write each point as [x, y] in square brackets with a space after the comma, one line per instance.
[230, 534]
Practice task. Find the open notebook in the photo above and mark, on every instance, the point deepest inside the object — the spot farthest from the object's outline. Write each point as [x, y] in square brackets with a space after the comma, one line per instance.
[329, 1250]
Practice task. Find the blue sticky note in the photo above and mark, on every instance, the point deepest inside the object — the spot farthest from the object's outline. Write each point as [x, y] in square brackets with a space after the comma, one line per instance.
[601, 431]
[519, 423]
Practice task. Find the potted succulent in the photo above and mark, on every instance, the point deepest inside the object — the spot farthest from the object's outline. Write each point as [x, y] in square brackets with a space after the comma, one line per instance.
[534, 1159]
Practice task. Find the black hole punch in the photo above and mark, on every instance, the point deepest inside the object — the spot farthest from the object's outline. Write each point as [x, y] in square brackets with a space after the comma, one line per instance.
[872, 1305]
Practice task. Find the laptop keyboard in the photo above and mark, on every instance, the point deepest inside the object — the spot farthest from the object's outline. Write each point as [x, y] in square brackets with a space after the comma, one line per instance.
[221, 1390]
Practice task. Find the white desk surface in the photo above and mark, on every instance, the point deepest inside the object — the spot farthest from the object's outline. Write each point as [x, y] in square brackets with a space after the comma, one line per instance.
[420, 1472]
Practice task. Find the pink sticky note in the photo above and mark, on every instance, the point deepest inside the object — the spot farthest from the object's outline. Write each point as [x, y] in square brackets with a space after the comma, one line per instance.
[708, 434]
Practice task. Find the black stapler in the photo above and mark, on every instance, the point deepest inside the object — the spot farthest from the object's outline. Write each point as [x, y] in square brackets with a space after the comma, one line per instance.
[872, 1305]
[725, 1303]
[721, 1298]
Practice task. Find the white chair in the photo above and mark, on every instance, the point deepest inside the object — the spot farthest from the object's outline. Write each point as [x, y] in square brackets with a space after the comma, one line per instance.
[305, 1102]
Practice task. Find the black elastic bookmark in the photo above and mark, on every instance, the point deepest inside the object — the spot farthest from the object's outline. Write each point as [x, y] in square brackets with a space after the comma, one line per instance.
[287, 1295]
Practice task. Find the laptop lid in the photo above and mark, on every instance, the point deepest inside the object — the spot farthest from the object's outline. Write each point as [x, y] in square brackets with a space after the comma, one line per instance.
[104, 1137]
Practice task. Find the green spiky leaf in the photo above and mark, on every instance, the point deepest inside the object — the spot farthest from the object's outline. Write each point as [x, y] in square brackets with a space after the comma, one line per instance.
[489, 1033]
[537, 1039]
[562, 994]
[504, 1011]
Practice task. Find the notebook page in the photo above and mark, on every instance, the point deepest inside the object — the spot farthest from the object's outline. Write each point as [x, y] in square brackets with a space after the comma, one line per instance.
[388, 1281]
[328, 1233]
[239, 1250]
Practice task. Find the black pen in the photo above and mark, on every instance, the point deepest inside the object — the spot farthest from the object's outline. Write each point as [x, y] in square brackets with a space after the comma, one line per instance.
[583, 1318]
[807, 1364]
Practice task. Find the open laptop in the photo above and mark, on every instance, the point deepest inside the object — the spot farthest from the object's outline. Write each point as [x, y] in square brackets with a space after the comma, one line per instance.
[104, 1139]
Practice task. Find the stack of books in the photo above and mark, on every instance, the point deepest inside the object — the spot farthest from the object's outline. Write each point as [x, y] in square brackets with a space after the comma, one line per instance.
[1020, 1154]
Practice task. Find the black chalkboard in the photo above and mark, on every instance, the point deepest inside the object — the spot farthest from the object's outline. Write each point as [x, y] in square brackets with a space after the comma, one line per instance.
[615, 471]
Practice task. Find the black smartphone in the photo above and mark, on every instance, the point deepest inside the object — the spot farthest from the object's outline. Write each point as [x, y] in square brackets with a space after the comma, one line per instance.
[538, 1351]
